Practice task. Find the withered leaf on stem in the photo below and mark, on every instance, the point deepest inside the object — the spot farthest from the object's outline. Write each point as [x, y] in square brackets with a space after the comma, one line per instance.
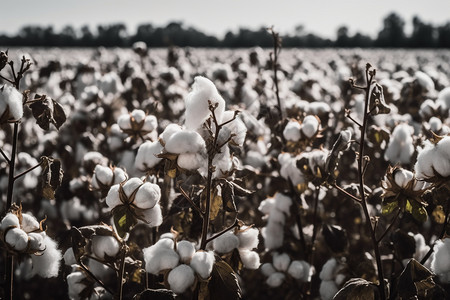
[224, 284]
[415, 280]
[52, 175]
[78, 243]
[228, 197]
[160, 294]
[46, 110]
[358, 288]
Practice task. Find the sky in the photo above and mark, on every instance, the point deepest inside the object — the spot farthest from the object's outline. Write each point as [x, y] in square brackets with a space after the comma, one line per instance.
[219, 16]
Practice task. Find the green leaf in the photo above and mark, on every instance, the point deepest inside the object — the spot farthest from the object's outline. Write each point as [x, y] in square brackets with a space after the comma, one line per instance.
[223, 284]
[357, 289]
[124, 220]
[418, 212]
[388, 208]
[415, 280]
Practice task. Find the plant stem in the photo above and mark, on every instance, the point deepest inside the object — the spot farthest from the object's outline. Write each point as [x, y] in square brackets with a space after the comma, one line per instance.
[235, 224]
[390, 225]
[28, 171]
[121, 274]
[205, 226]
[381, 285]
[4, 156]
[12, 163]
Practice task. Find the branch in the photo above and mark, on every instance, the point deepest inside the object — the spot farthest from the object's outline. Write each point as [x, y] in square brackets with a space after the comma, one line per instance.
[235, 224]
[356, 199]
[5, 156]
[28, 170]
[390, 226]
[190, 201]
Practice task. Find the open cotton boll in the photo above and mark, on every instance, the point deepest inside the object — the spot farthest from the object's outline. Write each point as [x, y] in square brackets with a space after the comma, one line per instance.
[119, 175]
[273, 235]
[185, 249]
[124, 122]
[181, 278]
[328, 289]
[248, 238]
[202, 262]
[299, 270]
[292, 131]
[328, 269]
[402, 177]
[147, 195]
[146, 156]
[131, 185]
[435, 124]
[236, 128]
[185, 141]
[160, 257]
[17, 239]
[400, 147]
[36, 241]
[75, 284]
[310, 126]
[13, 100]
[249, 258]
[197, 108]
[105, 246]
[267, 269]
[69, 257]
[266, 206]
[169, 131]
[226, 242]
[424, 80]
[275, 279]
[434, 158]
[190, 161]
[113, 199]
[9, 220]
[138, 115]
[153, 216]
[281, 261]
[441, 260]
[150, 123]
[47, 264]
[103, 175]
[29, 223]
[283, 203]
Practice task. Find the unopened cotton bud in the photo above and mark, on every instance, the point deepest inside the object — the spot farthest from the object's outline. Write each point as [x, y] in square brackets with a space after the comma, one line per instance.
[267, 269]
[292, 131]
[226, 242]
[250, 259]
[9, 220]
[202, 262]
[147, 195]
[105, 246]
[275, 279]
[310, 126]
[138, 115]
[281, 261]
[185, 141]
[29, 223]
[17, 239]
[181, 278]
[185, 249]
[248, 238]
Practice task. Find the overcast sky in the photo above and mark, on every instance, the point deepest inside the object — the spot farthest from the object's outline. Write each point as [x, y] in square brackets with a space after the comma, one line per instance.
[218, 16]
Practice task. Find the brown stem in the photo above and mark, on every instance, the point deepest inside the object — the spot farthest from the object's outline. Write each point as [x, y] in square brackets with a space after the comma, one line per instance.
[235, 224]
[356, 199]
[119, 295]
[12, 163]
[186, 196]
[28, 170]
[206, 215]
[390, 225]
[4, 156]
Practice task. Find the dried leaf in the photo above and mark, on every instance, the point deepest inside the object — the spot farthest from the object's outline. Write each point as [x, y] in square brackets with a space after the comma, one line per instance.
[52, 175]
[46, 110]
[78, 243]
[335, 237]
[228, 197]
[357, 289]
[415, 280]
[224, 284]
[160, 294]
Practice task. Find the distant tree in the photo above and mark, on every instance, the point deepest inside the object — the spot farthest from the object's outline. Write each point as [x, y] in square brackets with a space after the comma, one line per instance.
[67, 37]
[114, 35]
[423, 35]
[443, 38]
[87, 38]
[342, 38]
[392, 34]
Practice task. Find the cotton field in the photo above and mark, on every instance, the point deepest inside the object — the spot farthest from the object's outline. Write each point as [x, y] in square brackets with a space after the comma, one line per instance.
[178, 174]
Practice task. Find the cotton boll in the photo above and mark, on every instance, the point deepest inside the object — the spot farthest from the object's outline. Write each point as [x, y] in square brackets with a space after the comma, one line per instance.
[17, 239]
[267, 269]
[425, 81]
[36, 241]
[328, 289]
[273, 235]
[281, 261]
[112, 199]
[283, 203]
[248, 238]
[47, 264]
[235, 127]
[190, 161]
[250, 259]
[292, 131]
[402, 177]
[328, 269]
[185, 141]
[105, 246]
[202, 262]
[169, 131]
[124, 122]
[185, 249]
[424, 164]
[267, 205]
[147, 195]
[181, 278]
[275, 279]
[29, 223]
[69, 257]
[153, 216]
[310, 126]
[441, 260]
[226, 242]
[75, 284]
[103, 175]
[297, 270]
[197, 108]
[160, 256]
[435, 124]
[150, 123]
[9, 220]
[119, 175]
[146, 156]
[131, 185]
[13, 99]
[138, 115]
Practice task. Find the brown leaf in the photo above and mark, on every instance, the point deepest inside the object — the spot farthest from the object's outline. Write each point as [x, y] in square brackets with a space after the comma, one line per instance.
[224, 284]
[357, 289]
[46, 110]
[52, 175]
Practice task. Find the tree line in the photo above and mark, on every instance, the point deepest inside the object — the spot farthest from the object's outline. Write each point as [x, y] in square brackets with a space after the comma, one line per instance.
[392, 35]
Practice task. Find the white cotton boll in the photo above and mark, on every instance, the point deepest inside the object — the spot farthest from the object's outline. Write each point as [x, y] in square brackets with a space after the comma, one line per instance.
[13, 99]
[197, 108]
[160, 256]
[181, 278]
[292, 131]
[17, 239]
[277, 216]
[328, 289]
[440, 263]
[119, 175]
[424, 164]
[283, 203]
[202, 262]
[47, 264]
[267, 205]
[250, 259]
[185, 141]
[138, 115]
[226, 242]
[131, 185]
[147, 195]
[443, 147]
[113, 199]
[275, 279]
[297, 270]
[190, 161]
[124, 122]
[169, 131]
[153, 216]
[248, 238]
[435, 124]
[9, 220]
[185, 249]
[402, 177]
[273, 235]
[105, 246]
[146, 156]
[103, 175]
[310, 126]
[36, 241]
[69, 257]
[328, 269]
[425, 81]
[421, 248]
[281, 261]
[75, 284]
[29, 223]
[400, 147]
[150, 123]
[236, 127]
[267, 269]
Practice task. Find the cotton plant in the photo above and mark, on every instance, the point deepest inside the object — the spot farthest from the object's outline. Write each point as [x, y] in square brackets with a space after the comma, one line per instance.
[137, 124]
[401, 145]
[282, 267]
[23, 235]
[305, 131]
[105, 177]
